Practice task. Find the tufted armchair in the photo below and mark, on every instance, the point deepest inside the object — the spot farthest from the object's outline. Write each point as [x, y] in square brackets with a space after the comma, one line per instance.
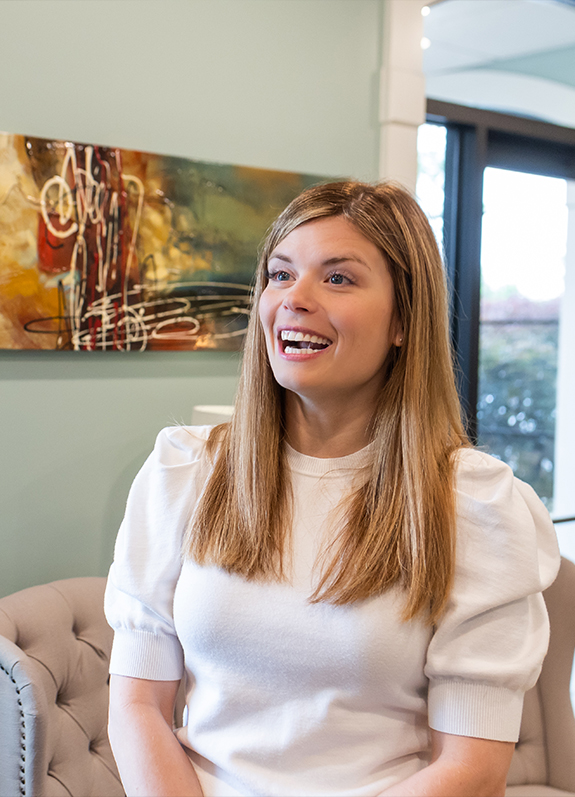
[543, 763]
[54, 650]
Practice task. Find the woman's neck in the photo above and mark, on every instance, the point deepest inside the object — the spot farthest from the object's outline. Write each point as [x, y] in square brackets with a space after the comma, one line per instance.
[326, 431]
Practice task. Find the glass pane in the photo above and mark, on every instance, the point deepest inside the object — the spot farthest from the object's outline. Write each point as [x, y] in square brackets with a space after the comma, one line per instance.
[524, 238]
[526, 408]
[431, 142]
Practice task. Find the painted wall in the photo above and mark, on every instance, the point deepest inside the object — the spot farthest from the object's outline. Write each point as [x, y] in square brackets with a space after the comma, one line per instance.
[288, 84]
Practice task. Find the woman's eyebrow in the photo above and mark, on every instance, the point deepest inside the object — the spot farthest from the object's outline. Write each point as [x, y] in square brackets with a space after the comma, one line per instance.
[334, 261]
[331, 261]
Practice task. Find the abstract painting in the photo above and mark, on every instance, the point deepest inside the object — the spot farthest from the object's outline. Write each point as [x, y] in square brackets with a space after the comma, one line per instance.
[113, 249]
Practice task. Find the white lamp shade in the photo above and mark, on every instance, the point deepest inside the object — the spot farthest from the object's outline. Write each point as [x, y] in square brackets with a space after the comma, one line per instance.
[211, 414]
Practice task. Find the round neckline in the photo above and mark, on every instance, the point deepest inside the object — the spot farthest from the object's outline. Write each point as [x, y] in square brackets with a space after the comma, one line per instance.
[323, 466]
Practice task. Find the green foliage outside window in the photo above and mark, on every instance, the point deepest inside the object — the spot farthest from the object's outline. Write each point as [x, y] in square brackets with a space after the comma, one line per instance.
[516, 408]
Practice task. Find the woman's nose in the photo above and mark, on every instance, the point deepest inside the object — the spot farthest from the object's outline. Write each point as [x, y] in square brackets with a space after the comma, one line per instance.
[300, 297]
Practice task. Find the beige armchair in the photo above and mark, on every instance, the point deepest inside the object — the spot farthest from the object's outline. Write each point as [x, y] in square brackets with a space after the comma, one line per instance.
[544, 759]
[54, 650]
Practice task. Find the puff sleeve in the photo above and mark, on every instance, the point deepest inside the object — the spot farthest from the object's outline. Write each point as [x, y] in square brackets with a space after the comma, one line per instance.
[147, 556]
[488, 647]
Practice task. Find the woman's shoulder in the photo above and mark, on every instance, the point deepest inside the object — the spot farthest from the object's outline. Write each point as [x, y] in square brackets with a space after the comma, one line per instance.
[165, 488]
[471, 461]
[485, 478]
[495, 507]
[482, 476]
[181, 445]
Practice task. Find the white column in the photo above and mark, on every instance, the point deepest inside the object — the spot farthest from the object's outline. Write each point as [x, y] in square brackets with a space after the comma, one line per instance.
[402, 90]
[564, 475]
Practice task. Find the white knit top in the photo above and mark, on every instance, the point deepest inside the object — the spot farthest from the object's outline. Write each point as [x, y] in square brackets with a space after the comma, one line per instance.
[289, 698]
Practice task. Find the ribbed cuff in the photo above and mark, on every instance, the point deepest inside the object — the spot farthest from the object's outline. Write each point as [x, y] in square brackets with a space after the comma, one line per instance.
[466, 708]
[142, 654]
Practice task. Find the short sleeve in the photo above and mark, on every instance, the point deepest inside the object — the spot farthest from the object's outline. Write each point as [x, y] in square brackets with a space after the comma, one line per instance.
[489, 645]
[147, 557]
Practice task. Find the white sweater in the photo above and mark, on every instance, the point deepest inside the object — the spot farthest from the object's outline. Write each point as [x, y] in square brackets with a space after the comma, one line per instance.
[288, 698]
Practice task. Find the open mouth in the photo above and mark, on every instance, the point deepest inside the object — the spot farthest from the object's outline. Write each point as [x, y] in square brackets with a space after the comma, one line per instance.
[293, 342]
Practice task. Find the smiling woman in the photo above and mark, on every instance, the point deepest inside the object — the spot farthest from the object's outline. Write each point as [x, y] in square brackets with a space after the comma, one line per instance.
[358, 607]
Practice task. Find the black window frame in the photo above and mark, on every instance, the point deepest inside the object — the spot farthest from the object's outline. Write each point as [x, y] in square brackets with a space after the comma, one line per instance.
[477, 139]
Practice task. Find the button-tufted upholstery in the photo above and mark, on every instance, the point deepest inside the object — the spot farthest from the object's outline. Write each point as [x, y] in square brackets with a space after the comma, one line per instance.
[544, 760]
[54, 651]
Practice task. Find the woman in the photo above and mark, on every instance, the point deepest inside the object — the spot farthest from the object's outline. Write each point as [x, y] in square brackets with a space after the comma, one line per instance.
[358, 606]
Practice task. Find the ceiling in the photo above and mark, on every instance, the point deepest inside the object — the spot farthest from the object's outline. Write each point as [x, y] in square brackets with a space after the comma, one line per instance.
[516, 56]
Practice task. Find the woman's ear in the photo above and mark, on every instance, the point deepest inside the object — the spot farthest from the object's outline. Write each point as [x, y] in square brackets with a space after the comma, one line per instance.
[397, 332]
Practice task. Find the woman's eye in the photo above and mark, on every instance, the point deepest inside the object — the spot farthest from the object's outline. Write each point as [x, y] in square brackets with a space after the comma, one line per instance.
[278, 276]
[338, 279]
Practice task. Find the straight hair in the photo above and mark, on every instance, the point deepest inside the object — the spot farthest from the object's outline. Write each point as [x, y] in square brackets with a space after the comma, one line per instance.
[399, 526]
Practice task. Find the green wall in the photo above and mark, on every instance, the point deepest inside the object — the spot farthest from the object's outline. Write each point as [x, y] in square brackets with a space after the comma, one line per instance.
[285, 84]
[74, 432]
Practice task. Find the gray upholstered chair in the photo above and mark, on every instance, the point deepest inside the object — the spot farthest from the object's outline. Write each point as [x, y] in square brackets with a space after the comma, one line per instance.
[54, 649]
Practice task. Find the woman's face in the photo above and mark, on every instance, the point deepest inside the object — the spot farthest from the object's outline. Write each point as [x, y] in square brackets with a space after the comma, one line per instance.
[328, 312]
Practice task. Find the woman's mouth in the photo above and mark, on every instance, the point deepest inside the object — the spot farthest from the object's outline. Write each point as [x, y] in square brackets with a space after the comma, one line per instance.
[293, 342]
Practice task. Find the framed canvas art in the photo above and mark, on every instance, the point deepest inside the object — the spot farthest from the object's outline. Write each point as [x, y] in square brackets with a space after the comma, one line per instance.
[118, 250]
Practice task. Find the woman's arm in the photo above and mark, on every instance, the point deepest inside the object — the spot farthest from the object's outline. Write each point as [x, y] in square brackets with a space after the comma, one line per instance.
[149, 757]
[460, 766]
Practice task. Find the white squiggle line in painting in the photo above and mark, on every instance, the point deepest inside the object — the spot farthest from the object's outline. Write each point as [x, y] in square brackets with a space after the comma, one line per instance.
[207, 284]
[128, 178]
[65, 216]
[177, 334]
[90, 207]
[142, 320]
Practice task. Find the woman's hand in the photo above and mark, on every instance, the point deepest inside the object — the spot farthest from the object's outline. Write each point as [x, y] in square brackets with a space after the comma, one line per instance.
[149, 757]
[460, 766]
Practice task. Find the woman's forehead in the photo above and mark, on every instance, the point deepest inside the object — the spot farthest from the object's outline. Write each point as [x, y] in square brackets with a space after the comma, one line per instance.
[336, 228]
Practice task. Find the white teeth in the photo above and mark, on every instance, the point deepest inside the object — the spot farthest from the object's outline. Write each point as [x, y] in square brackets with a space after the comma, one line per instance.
[290, 334]
[295, 350]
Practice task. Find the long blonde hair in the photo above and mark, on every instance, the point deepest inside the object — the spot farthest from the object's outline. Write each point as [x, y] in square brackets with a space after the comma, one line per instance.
[399, 526]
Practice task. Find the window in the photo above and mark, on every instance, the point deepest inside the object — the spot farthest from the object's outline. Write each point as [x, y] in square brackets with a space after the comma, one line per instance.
[500, 195]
